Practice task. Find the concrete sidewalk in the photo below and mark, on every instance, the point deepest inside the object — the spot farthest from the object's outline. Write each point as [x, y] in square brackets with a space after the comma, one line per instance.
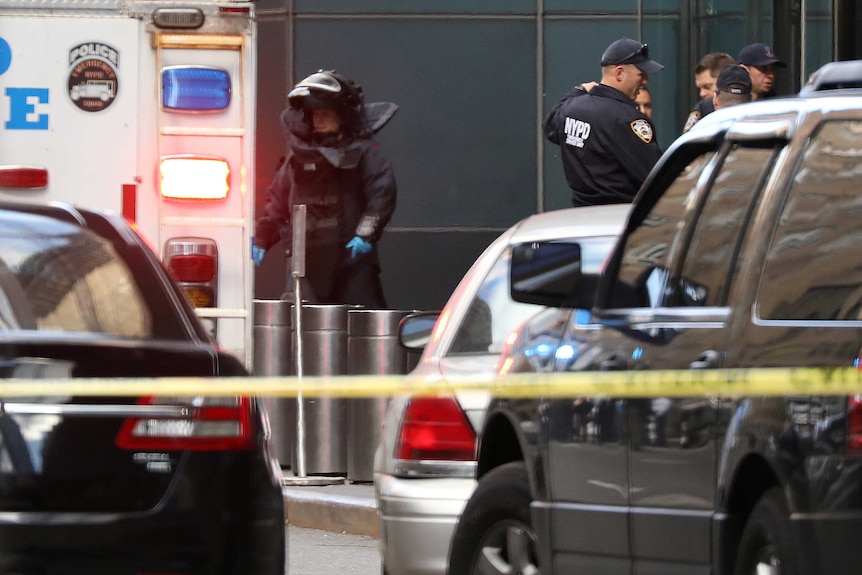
[342, 507]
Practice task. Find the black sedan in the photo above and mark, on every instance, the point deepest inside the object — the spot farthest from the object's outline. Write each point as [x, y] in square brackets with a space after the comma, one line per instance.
[101, 484]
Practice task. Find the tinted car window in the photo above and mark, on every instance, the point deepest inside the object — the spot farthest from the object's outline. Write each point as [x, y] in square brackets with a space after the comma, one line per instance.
[819, 224]
[644, 269]
[707, 271]
[67, 280]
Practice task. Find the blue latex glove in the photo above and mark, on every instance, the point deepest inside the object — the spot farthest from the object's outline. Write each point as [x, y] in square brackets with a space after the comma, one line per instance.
[358, 247]
[257, 254]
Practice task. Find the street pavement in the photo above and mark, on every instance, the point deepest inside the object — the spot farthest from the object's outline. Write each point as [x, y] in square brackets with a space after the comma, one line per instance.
[331, 504]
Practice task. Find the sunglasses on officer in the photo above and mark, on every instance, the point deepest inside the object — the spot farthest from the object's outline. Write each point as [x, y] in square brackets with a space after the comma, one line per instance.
[642, 51]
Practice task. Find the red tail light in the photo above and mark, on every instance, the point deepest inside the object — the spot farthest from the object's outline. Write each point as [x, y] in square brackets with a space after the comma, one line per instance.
[23, 177]
[435, 428]
[193, 268]
[854, 423]
[194, 264]
[197, 424]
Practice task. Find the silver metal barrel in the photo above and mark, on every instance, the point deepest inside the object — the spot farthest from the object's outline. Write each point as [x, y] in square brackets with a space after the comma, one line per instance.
[324, 347]
[372, 348]
[273, 355]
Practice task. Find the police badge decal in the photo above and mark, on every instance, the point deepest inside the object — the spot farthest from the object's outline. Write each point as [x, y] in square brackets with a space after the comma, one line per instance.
[93, 83]
[642, 130]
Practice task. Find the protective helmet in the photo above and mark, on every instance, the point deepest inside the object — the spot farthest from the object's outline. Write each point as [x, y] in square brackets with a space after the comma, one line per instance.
[328, 89]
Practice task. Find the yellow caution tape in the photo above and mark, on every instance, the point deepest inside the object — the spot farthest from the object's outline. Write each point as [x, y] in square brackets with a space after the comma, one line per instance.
[670, 383]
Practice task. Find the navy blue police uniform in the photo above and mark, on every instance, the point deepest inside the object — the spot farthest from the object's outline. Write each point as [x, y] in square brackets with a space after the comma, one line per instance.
[608, 146]
[703, 108]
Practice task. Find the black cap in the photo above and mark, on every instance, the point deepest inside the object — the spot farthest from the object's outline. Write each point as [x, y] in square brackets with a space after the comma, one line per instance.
[628, 51]
[734, 79]
[758, 55]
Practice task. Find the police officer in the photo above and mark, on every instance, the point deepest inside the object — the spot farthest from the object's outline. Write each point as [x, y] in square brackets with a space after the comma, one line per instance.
[607, 145]
[732, 87]
[705, 75]
[337, 170]
[760, 61]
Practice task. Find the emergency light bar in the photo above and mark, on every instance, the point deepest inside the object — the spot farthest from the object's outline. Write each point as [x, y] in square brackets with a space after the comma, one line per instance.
[23, 177]
[195, 88]
[190, 177]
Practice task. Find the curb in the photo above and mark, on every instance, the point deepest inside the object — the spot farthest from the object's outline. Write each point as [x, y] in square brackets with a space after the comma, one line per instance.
[331, 512]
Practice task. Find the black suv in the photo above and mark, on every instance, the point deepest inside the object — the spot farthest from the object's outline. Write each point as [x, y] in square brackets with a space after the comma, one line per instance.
[742, 250]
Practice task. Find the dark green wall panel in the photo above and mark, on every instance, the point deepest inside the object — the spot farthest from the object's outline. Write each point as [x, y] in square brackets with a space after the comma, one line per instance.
[416, 6]
[463, 141]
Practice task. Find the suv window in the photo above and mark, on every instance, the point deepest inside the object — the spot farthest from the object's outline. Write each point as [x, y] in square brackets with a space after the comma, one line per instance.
[644, 266]
[711, 255]
[819, 224]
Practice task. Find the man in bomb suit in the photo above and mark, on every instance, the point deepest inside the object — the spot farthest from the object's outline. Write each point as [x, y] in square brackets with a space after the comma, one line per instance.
[338, 171]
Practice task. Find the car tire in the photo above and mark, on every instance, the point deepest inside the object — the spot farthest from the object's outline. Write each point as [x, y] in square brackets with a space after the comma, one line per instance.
[767, 545]
[495, 533]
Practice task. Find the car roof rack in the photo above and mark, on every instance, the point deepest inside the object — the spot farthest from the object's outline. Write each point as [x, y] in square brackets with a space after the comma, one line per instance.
[835, 76]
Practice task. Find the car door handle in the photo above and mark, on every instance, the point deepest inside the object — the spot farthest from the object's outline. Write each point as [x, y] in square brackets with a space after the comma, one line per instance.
[614, 362]
[707, 360]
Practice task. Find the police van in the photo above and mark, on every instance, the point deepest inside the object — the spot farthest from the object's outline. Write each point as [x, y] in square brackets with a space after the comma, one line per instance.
[146, 109]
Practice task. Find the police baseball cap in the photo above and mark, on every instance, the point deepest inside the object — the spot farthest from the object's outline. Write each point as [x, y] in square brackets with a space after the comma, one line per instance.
[758, 55]
[628, 51]
[734, 79]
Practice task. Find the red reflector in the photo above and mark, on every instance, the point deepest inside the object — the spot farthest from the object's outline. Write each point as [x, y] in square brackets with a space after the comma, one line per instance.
[435, 428]
[192, 267]
[23, 178]
[198, 424]
[854, 423]
[130, 202]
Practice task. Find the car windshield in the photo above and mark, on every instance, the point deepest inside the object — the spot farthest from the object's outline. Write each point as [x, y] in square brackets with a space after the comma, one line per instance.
[67, 280]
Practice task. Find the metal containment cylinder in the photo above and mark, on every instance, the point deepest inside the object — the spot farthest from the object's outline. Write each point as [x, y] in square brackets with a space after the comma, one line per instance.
[273, 355]
[372, 349]
[324, 353]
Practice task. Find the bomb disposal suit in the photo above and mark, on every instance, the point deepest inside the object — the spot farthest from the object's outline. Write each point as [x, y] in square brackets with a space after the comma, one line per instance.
[347, 185]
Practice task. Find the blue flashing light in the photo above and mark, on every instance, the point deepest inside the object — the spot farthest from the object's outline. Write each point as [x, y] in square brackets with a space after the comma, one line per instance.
[195, 88]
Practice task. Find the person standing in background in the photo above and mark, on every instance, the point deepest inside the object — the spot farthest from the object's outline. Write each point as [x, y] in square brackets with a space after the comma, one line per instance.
[644, 102]
[760, 61]
[732, 87]
[705, 74]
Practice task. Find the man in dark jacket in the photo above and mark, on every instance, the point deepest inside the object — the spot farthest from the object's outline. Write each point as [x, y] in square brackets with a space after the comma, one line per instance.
[705, 76]
[760, 61]
[348, 186]
[607, 144]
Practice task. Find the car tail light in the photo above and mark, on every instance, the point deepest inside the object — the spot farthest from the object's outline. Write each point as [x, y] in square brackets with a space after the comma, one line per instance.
[23, 177]
[193, 262]
[197, 424]
[435, 428]
[854, 423]
[189, 177]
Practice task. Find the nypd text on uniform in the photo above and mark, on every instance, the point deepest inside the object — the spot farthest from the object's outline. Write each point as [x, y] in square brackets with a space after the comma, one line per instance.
[576, 132]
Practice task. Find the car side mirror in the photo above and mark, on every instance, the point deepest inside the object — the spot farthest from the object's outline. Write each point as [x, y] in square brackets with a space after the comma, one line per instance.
[414, 330]
[550, 274]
